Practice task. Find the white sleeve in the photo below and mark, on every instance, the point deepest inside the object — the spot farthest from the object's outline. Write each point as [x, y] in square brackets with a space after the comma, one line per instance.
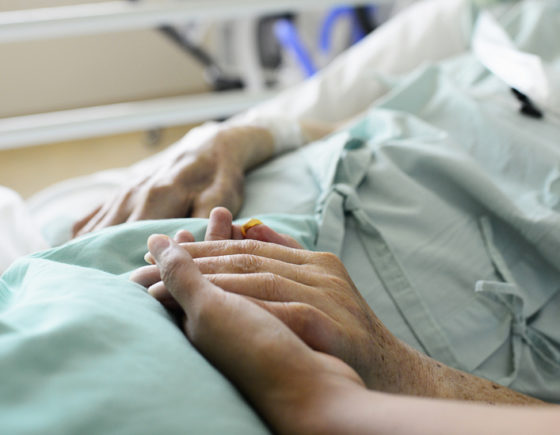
[286, 132]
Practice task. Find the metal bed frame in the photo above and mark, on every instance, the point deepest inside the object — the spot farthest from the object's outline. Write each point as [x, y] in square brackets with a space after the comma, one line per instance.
[114, 16]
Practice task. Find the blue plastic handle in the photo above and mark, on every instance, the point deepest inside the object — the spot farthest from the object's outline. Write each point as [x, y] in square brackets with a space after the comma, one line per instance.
[287, 35]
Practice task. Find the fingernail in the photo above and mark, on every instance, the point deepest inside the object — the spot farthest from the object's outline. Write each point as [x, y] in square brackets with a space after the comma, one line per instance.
[157, 243]
[249, 224]
[148, 258]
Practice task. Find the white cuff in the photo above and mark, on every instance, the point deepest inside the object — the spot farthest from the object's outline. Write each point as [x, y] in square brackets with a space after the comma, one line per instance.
[286, 132]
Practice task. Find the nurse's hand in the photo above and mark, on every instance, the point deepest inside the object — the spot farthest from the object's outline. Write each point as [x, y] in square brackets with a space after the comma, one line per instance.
[190, 184]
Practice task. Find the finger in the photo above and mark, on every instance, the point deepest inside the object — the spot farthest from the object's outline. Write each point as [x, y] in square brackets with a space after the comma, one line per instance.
[313, 326]
[251, 247]
[184, 236]
[180, 274]
[265, 286]
[246, 343]
[113, 213]
[95, 219]
[82, 222]
[266, 234]
[160, 292]
[146, 276]
[219, 226]
[249, 264]
[236, 233]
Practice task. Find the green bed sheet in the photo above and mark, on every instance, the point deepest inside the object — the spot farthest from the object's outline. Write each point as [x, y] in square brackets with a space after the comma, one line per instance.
[443, 201]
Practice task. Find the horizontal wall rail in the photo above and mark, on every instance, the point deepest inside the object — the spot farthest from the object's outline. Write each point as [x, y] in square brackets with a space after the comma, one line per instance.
[91, 18]
[118, 118]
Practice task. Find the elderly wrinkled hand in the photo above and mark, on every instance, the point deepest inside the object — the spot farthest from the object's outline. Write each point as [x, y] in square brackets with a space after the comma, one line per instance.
[220, 227]
[311, 292]
[190, 184]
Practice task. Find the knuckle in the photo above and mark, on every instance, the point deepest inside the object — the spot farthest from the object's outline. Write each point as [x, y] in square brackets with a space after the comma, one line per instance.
[271, 285]
[240, 263]
[328, 258]
[157, 191]
[251, 263]
[327, 261]
[250, 246]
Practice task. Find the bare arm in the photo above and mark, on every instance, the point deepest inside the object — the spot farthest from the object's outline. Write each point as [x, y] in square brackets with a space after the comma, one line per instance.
[358, 411]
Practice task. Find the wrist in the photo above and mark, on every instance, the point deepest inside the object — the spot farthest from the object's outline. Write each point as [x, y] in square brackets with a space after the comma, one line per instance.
[301, 399]
[245, 147]
[312, 405]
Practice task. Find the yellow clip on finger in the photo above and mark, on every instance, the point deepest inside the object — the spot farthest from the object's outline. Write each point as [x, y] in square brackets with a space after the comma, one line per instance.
[249, 224]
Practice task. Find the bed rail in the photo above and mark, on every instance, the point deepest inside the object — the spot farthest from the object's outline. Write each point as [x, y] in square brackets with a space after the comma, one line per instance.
[114, 16]
[91, 18]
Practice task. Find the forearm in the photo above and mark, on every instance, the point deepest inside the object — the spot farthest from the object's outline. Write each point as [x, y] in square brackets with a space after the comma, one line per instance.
[448, 383]
[404, 370]
[358, 411]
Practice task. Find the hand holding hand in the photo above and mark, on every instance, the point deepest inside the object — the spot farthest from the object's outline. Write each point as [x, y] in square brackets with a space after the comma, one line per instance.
[311, 292]
[288, 383]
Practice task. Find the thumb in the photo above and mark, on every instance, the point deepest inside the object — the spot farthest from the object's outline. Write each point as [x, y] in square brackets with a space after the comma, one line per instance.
[180, 274]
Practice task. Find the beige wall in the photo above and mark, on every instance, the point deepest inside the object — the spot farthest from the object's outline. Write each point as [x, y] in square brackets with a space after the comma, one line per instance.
[48, 75]
[29, 170]
[57, 74]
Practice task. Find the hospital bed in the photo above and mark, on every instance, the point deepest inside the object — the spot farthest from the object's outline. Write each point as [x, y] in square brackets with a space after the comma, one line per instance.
[439, 195]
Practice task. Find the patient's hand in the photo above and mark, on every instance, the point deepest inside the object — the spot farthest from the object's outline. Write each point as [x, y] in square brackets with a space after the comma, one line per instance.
[220, 227]
[201, 177]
